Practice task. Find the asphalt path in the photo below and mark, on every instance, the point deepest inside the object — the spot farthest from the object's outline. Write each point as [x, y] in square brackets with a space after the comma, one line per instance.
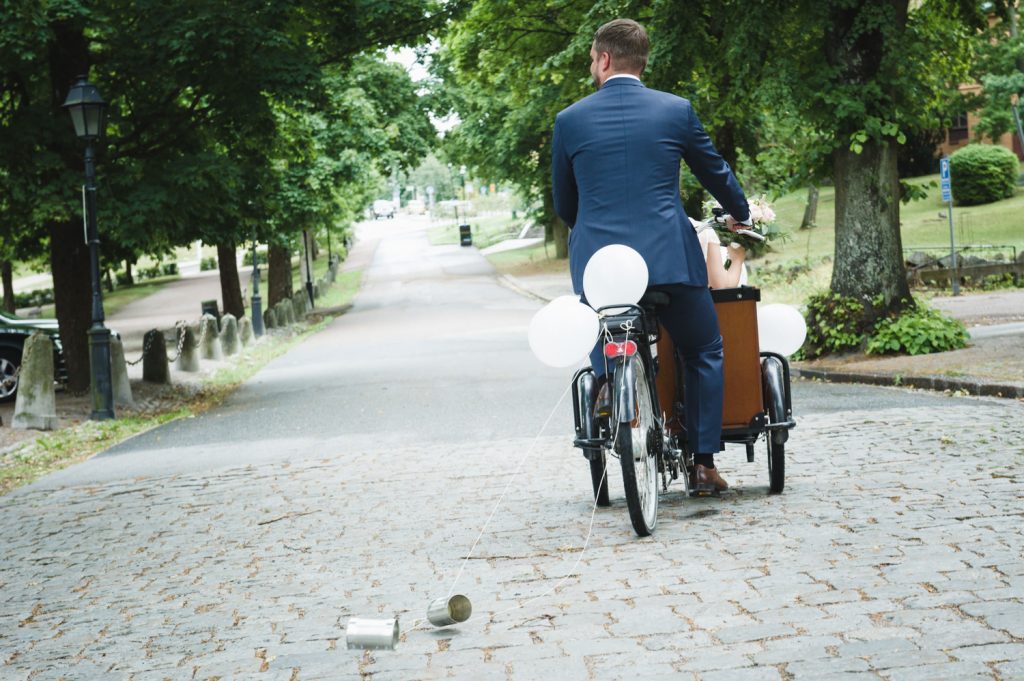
[432, 353]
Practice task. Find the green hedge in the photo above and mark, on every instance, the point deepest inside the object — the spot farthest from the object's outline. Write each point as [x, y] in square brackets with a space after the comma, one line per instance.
[982, 173]
[917, 331]
[837, 324]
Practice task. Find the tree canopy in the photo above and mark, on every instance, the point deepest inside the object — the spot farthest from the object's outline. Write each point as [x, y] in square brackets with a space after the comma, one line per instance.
[226, 121]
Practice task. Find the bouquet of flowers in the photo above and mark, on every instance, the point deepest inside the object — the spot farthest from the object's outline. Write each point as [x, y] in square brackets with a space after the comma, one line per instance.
[754, 239]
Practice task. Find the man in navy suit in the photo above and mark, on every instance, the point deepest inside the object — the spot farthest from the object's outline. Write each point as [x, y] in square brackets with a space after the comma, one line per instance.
[615, 168]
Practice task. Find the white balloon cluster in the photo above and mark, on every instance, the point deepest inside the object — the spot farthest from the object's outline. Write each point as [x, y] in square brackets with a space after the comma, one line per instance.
[781, 329]
[564, 331]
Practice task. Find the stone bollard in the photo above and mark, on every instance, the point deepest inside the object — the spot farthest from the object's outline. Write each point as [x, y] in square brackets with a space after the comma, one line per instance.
[245, 331]
[319, 286]
[155, 368]
[119, 374]
[229, 334]
[299, 306]
[36, 405]
[270, 319]
[285, 314]
[209, 342]
[188, 355]
[332, 272]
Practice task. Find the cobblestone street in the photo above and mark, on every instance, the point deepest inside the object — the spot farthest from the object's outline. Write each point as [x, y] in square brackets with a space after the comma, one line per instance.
[894, 553]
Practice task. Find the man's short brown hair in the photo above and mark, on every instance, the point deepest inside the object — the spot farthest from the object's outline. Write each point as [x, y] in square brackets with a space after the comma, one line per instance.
[626, 41]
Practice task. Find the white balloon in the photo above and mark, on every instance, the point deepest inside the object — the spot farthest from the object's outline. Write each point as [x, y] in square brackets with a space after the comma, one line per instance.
[781, 329]
[615, 274]
[563, 332]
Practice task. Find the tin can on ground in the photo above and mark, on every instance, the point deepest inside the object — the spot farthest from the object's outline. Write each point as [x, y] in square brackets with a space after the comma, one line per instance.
[449, 610]
[367, 634]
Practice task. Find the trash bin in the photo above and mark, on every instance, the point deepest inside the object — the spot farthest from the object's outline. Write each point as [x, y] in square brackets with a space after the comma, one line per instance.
[465, 236]
[210, 307]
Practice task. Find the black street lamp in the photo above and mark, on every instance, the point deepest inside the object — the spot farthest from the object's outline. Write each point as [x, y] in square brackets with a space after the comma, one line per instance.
[257, 301]
[309, 270]
[88, 113]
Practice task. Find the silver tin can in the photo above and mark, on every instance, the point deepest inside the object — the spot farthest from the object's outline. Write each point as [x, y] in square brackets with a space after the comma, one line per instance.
[372, 634]
[446, 611]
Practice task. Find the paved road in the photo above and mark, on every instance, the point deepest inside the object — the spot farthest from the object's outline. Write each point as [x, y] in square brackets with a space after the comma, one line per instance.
[351, 476]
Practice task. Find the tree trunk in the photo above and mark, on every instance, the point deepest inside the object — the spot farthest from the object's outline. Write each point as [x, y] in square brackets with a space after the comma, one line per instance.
[128, 273]
[72, 292]
[230, 288]
[555, 230]
[8, 277]
[725, 143]
[69, 255]
[560, 233]
[869, 249]
[279, 275]
[811, 209]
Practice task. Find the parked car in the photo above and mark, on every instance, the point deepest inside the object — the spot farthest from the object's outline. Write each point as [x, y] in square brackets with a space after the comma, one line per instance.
[13, 332]
[383, 208]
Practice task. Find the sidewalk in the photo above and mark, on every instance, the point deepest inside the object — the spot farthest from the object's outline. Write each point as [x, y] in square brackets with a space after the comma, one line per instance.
[993, 363]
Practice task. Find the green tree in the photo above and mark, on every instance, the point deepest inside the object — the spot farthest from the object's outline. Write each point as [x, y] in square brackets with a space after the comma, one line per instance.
[506, 72]
[865, 75]
[194, 91]
[999, 68]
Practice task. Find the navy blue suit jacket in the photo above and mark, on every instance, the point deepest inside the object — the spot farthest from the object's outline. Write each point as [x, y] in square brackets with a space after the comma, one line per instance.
[615, 173]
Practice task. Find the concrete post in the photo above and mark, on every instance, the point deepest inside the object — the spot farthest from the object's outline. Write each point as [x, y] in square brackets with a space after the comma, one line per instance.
[229, 334]
[188, 357]
[245, 334]
[36, 405]
[155, 368]
[119, 374]
[209, 340]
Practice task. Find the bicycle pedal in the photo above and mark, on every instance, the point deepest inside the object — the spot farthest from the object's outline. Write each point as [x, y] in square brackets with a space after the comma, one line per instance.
[704, 491]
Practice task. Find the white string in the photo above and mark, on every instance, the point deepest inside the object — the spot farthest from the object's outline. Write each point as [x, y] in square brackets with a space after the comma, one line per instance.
[529, 452]
[508, 485]
[586, 543]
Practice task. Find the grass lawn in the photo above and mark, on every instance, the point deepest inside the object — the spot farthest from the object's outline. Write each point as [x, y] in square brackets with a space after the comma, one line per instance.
[114, 300]
[486, 230]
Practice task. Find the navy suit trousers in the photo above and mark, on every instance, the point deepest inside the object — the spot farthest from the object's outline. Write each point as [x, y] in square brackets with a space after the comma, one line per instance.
[692, 323]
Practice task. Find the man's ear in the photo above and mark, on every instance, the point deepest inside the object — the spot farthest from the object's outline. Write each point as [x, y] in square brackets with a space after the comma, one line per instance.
[605, 59]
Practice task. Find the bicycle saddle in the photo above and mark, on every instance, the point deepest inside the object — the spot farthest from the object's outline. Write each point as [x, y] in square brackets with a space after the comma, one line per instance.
[655, 301]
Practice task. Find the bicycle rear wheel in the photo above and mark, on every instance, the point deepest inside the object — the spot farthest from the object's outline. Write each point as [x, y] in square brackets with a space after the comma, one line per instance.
[634, 437]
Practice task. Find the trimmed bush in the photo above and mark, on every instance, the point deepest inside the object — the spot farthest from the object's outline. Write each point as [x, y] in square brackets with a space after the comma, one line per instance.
[207, 264]
[261, 258]
[37, 298]
[982, 173]
[149, 272]
[834, 324]
[169, 268]
[917, 331]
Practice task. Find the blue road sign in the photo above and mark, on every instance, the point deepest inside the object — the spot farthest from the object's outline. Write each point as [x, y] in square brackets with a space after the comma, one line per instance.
[944, 182]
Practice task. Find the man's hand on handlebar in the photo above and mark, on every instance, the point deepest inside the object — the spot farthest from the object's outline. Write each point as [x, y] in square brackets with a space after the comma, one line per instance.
[733, 224]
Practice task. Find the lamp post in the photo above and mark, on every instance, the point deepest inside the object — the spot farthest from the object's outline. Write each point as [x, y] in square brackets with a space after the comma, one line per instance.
[88, 114]
[309, 269]
[257, 301]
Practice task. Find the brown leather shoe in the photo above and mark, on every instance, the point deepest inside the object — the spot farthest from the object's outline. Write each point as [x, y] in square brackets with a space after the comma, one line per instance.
[707, 481]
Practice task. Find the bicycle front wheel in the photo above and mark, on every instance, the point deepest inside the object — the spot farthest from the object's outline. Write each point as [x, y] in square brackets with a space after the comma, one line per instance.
[634, 439]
